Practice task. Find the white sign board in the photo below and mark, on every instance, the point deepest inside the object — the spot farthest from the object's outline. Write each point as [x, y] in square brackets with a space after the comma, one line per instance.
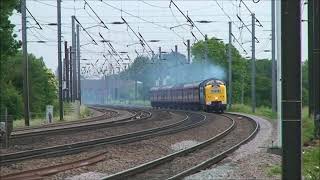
[2, 126]
[64, 84]
[49, 113]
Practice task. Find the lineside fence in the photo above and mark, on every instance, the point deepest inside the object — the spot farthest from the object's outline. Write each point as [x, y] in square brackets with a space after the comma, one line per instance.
[6, 127]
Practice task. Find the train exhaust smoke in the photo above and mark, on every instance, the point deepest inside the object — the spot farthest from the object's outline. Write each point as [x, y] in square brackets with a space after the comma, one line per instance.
[189, 73]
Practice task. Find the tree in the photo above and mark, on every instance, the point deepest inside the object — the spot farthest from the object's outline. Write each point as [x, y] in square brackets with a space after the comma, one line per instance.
[9, 96]
[43, 86]
[216, 51]
[9, 45]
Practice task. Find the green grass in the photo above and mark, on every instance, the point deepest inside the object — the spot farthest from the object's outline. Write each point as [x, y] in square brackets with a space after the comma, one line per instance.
[85, 112]
[311, 155]
[274, 170]
[260, 111]
[34, 122]
[307, 122]
[69, 115]
[307, 126]
[311, 163]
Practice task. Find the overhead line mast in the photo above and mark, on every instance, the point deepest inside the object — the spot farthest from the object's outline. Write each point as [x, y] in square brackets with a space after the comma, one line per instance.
[25, 64]
[253, 65]
[59, 58]
[274, 65]
[74, 59]
[230, 65]
[78, 62]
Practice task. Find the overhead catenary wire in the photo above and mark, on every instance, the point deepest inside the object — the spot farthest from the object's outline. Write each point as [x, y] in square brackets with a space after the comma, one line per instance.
[140, 40]
[94, 19]
[225, 13]
[194, 36]
[117, 61]
[153, 5]
[179, 32]
[138, 17]
[145, 42]
[132, 15]
[34, 19]
[244, 25]
[86, 31]
[180, 37]
[187, 17]
[114, 50]
[235, 39]
[86, 3]
[241, 1]
[232, 21]
[47, 4]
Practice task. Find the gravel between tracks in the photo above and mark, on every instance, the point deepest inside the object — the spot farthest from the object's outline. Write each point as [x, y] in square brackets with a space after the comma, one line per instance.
[241, 131]
[124, 156]
[159, 118]
[250, 161]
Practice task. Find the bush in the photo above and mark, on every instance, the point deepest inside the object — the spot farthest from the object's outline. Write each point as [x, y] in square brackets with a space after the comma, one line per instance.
[307, 126]
[12, 100]
[42, 86]
[84, 112]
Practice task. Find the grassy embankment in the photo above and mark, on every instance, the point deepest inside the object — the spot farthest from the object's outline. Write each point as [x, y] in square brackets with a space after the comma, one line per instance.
[311, 155]
[69, 115]
[260, 111]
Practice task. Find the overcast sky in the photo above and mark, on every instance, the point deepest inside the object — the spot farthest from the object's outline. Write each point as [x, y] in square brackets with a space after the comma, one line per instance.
[152, 19]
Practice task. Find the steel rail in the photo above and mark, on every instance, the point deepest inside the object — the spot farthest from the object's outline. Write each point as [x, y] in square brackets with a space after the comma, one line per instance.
[80, 146]
[57, 124]
[85, 125]
[46, 171]
[209, 162]
[146, 166]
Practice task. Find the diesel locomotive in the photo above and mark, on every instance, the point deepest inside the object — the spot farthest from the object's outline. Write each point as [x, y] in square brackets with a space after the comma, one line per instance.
[208, 95]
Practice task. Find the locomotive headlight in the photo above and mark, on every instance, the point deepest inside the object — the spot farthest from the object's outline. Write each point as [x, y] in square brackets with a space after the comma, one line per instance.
[216, 98]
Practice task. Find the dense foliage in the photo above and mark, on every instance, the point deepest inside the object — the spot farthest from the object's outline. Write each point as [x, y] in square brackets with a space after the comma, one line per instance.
[42, 81]
[43, 88]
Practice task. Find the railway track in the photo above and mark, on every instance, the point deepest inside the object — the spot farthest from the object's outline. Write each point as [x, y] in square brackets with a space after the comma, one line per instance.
[102, 112]
[81, 125]
[45, 171]
[191, 160]
[191, 120]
